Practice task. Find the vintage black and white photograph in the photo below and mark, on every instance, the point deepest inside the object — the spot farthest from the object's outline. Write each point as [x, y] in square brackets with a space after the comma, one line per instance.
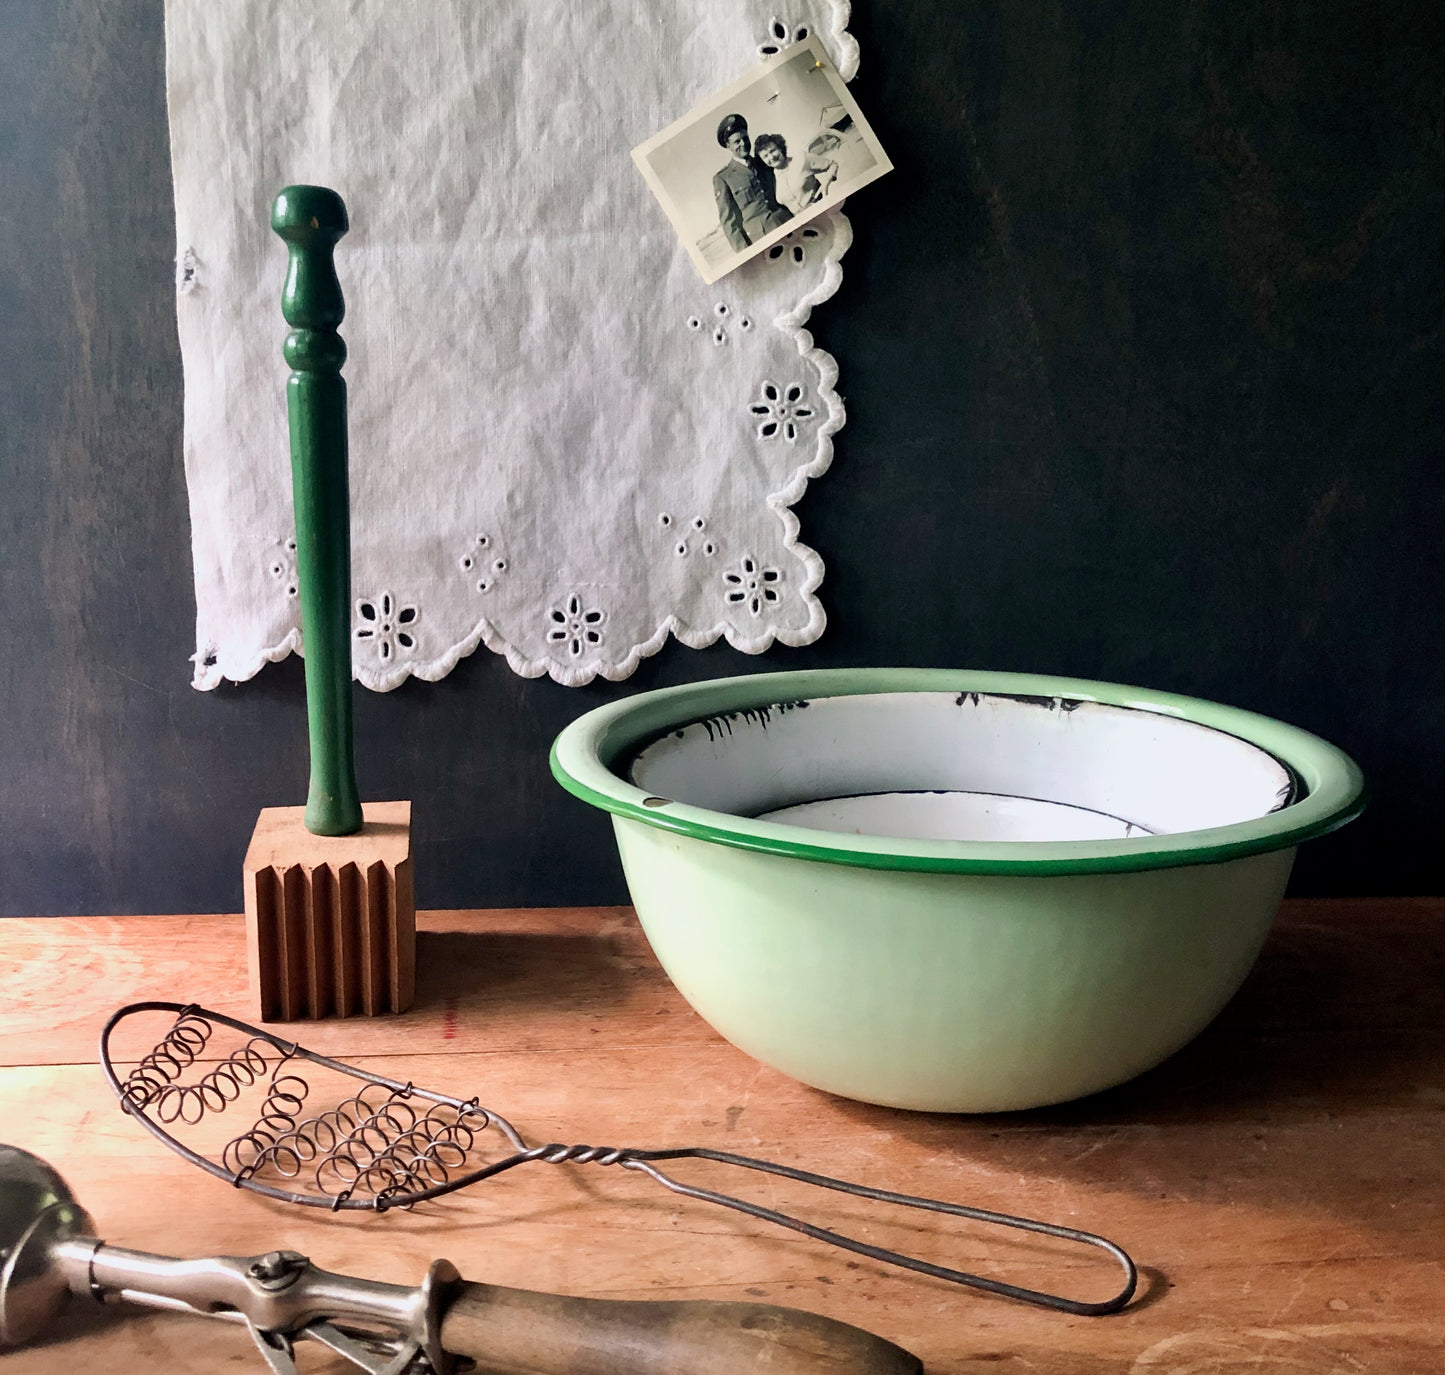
[758, 160]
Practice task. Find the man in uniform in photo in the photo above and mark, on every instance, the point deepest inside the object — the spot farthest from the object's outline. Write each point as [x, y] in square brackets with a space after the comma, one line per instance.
[745, 189]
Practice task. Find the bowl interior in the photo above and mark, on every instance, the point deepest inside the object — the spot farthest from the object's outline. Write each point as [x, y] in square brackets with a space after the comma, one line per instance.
[970, 766]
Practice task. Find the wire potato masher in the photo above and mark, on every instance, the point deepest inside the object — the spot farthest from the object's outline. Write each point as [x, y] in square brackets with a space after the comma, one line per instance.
[394, 1145]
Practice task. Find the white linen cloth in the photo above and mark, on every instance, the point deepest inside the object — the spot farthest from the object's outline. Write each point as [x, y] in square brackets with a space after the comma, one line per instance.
[563, 445]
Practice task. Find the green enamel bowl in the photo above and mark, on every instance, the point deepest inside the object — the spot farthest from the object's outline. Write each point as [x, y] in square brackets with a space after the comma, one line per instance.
[953, 891]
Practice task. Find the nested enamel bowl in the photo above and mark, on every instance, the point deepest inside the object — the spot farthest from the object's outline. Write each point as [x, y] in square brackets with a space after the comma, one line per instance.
[953, 891]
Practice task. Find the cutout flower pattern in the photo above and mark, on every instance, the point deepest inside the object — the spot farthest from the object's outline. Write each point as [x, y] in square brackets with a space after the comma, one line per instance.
[576, 626]
[781, 35]
[795, 245]
[779, 410]
[386, 625]
[752, 585]
[696, 445]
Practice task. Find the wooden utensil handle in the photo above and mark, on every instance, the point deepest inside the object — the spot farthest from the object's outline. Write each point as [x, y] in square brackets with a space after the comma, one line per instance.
[516, 1332]
[311, 219]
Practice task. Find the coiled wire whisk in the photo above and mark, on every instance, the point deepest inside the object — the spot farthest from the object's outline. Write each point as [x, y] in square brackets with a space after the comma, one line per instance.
[153, 1085]
[396, 1145]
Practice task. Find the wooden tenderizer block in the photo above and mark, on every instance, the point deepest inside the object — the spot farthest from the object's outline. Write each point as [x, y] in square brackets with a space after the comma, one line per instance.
[331, 920]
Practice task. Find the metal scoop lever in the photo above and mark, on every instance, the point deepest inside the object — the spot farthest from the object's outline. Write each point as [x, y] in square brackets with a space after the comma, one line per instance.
[280, 1297]
[49, 1253]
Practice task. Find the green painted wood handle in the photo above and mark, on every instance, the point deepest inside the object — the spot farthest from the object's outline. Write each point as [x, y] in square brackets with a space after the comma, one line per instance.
[311, 219]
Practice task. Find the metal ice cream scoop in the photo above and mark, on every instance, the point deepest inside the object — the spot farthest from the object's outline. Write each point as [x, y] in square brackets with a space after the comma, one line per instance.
[48, 1251]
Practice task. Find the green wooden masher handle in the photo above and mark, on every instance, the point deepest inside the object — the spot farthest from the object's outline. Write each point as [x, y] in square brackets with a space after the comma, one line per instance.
[311, 219]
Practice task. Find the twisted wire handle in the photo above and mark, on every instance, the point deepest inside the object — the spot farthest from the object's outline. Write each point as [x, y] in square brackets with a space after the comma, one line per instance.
[556, 1153]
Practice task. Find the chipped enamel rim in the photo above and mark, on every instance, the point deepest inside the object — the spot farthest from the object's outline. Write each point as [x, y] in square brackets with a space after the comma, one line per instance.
[587, 754]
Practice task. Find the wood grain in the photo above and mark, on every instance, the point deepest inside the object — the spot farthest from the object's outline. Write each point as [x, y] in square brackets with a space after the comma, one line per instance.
[330, 919]
[1276, 1181]
[522, 1333]
[573, 970]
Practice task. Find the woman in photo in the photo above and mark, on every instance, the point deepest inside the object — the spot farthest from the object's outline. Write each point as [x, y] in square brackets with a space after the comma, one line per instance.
[772, 151]
[745, 189]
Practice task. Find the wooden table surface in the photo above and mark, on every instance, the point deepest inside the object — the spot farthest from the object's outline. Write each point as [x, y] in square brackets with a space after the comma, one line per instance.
[1278, 1181]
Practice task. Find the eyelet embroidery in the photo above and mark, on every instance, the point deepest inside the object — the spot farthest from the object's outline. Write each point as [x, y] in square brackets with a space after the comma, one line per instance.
[779, 411]
[723, 316]
[752, 585]
[795, 245]
[474, 562]
[685, 547]
[386, 625]
[283, 565]
[781, 35]
[692, 419]
[576, 626]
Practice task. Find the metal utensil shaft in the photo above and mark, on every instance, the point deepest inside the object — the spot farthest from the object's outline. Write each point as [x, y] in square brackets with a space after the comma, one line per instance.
[281, 1298]
[234, 1287]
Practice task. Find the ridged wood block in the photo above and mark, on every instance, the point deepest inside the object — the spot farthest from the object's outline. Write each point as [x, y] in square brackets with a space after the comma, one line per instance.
[331, 920]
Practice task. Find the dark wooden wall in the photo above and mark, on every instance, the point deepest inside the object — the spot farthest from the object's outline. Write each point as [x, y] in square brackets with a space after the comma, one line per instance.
[1142, 351]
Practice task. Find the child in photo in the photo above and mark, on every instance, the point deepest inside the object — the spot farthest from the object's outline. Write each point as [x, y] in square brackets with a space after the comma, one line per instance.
[820, 167]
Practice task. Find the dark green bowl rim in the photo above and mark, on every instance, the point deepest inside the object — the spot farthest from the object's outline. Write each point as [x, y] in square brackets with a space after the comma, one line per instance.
[586, 755]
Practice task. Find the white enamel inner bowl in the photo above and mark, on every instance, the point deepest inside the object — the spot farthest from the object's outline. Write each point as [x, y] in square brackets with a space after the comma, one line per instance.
[965, 766]
[954, 891]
